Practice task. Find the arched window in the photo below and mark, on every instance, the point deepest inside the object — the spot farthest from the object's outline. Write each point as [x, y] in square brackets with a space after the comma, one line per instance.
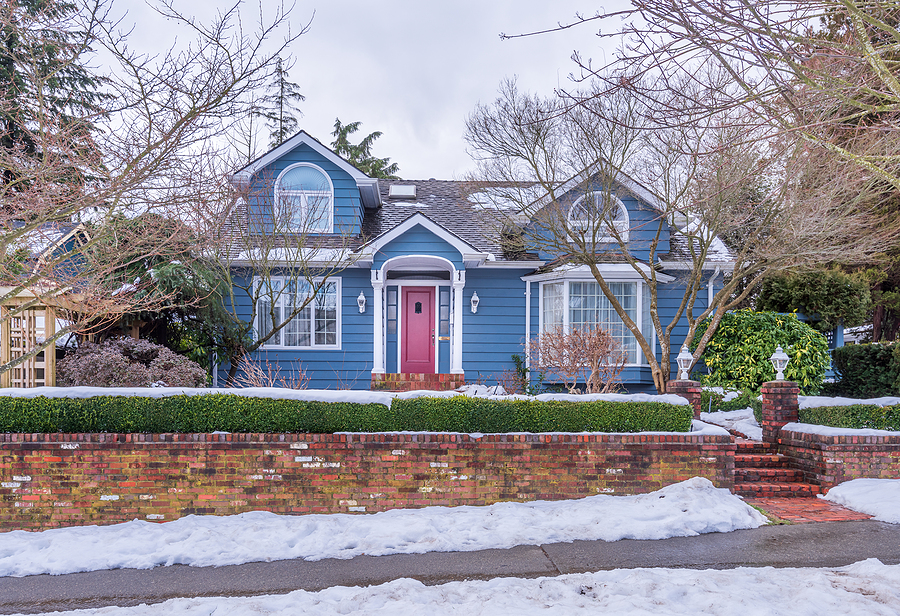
[601, 208]
[304, 197]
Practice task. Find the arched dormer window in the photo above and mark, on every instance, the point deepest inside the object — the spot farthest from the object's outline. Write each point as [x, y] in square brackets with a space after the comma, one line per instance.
[600, 208]
[304, 199]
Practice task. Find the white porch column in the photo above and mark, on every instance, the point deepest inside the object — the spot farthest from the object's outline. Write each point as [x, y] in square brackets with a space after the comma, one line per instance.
[378, 332]
[459, 283]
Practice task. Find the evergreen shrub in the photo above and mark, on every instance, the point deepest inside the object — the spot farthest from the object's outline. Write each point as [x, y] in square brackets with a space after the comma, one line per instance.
[738, 353]
[867, 370]
[232, 413]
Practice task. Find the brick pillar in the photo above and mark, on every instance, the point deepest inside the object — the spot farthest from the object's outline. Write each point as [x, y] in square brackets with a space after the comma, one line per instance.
[689, 390]
[779, 407]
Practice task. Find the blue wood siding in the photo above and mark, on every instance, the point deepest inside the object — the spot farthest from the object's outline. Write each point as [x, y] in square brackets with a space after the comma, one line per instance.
[497, 331]
[418, 241]
[643, 219]
[350, 366]
[348, 210]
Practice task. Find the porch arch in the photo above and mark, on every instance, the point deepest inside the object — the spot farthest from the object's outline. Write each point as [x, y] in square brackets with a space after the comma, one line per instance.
[418, 263]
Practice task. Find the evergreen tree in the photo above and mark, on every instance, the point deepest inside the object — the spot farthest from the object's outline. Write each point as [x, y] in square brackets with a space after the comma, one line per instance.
[360, 155]
[47, 94]
[279, 106]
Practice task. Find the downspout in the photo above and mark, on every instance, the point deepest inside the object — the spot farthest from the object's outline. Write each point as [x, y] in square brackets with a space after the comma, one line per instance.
[528, 324]
[710, 292]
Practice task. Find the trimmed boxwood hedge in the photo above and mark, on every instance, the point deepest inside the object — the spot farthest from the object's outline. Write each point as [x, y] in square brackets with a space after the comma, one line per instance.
[232, 413]
[857, 416]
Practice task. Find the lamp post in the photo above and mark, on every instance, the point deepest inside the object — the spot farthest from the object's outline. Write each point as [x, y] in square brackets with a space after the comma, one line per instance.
[779, 361]
[684, 360]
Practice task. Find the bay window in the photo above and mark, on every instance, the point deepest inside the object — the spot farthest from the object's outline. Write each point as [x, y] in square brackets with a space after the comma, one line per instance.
[581, 304]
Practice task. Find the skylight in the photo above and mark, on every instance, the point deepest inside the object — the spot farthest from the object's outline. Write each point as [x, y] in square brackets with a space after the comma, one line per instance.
[402, 191]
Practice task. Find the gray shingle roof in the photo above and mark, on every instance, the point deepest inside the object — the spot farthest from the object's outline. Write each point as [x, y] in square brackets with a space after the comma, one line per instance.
[444, 202]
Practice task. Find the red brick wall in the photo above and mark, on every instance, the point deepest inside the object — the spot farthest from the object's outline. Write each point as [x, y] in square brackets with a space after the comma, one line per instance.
[779, 407]
[830, 460]
[50, 480]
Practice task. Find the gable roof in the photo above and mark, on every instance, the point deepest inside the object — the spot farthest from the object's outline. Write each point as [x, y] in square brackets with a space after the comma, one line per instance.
[444, 203]
[368, 187]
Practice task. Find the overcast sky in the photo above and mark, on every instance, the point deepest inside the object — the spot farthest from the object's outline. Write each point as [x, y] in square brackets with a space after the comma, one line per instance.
[414, 69]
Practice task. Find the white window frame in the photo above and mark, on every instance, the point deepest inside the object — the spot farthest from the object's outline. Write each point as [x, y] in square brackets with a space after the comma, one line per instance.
[566, 284]
[304, 196]
[312, 337]
[622, 222]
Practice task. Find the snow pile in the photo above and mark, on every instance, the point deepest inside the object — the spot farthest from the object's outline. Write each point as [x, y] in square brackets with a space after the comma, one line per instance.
[880, 498]
[868, 587]
[684, 509]
[727, 395]
[741, 420]
[810, 402]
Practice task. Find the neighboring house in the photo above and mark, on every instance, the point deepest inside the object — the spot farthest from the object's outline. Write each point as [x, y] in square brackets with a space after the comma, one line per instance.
[431, 292]
[28, 315]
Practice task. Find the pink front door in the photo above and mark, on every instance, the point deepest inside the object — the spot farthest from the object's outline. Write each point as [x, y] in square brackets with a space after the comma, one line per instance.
[417, 335]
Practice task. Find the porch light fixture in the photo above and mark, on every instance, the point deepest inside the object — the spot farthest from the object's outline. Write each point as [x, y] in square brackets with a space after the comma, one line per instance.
[361, 302]
[779, 361]
[474, 302]
[684, 360]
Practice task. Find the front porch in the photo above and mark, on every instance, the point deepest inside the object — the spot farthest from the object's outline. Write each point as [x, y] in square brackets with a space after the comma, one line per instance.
[412, 381]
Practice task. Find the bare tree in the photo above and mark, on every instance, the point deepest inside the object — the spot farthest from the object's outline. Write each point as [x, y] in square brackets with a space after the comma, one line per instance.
[138, 151]
[695, 174]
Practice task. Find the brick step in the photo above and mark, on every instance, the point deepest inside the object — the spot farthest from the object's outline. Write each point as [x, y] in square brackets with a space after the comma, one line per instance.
[753, 447]
[776, 490]
[767, 474]
[760, 460]
[410, 381]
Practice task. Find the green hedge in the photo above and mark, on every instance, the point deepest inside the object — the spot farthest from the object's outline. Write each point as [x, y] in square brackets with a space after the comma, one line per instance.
[857, 416]
[867, 370]
[231, 413]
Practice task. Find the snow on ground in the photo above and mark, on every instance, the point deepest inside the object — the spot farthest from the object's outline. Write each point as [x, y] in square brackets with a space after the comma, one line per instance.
[868, 587]
[741, 420]
[684, 509]
[879, 498]
[810, 402]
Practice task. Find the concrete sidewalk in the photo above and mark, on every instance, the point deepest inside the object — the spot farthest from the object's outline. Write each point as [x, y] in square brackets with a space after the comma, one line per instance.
[829, 544]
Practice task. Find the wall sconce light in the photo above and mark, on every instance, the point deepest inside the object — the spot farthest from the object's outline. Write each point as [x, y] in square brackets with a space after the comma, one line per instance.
[361, 302]
[474, 302]
[779, 361]
[684, 360]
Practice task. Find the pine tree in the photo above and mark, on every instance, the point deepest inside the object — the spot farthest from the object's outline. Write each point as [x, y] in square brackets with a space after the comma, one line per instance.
[47, 94]
[279, 106]
[360, 155]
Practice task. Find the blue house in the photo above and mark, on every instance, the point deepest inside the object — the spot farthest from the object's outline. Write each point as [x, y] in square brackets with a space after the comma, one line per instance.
[425, 295]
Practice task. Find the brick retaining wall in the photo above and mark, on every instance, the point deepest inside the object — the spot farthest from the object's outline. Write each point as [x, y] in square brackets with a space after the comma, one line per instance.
[52, 480]
[830, 460]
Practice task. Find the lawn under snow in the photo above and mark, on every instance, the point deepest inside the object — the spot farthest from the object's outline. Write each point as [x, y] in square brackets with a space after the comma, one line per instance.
[880, 498]
[741, 420]
[684, 509]
[867, 588]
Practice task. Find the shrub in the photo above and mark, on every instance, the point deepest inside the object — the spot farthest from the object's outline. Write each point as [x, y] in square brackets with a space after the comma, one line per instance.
[857, 416]
[867, 370]
[125, 362]
[827, 297]
[232, 413]
[712, 401]
[590, 355]
[738, 353]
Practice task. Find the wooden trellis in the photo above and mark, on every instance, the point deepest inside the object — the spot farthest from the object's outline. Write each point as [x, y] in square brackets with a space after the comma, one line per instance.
[22, 330]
